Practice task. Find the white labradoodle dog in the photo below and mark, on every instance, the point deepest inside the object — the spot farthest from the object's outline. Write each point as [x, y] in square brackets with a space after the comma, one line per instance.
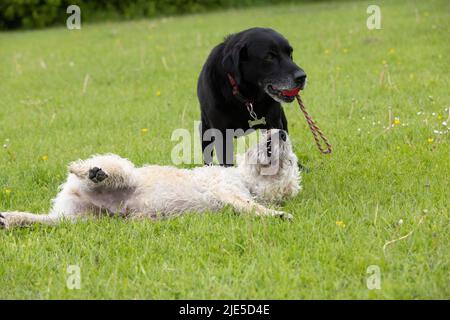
[111, 185]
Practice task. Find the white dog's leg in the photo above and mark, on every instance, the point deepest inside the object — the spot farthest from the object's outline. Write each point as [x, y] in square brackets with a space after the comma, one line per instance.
[16, 218]
[108, 171]
[68, 204]
[247, 205]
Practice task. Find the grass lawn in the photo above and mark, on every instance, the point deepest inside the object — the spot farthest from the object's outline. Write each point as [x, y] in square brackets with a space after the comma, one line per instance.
[68, 94]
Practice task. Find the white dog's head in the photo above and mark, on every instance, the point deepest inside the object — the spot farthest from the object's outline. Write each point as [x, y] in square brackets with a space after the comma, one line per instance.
[271, 166]
[273, 152]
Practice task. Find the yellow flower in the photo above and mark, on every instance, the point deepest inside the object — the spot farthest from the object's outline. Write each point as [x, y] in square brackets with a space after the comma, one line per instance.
[158, 93]
[396, 121]
[7, 191]
[340, 223]
[144, 130]
[397, 147]
[345, 50]
[439, 117]
[430, 140]
[391, 51]
[327, 51]
[44, 157]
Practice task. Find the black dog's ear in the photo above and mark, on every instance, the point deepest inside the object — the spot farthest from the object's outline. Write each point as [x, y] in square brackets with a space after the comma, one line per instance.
[232, 59]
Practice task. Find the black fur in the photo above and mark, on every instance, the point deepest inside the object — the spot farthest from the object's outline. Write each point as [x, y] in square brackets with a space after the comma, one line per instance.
[260, 60]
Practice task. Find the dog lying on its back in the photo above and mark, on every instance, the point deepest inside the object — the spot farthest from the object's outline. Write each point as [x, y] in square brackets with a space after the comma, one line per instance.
[111, 185]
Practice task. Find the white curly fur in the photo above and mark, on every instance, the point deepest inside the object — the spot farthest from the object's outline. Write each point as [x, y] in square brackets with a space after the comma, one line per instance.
[159, 191]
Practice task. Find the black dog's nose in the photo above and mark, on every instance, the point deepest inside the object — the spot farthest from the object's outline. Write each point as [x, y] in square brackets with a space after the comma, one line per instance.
[300, 78]
[283, 135]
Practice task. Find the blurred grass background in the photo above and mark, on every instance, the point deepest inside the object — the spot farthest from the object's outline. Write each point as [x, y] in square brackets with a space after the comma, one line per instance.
[123, 87]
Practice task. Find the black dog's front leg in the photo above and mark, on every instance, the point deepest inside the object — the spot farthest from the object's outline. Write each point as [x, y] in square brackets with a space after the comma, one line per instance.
[207, 147]
[276, 119]
[284, 123]
[216, 139]
[225, 149]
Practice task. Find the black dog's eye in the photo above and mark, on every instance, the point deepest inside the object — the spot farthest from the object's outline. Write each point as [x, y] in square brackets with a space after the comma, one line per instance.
[269, 57]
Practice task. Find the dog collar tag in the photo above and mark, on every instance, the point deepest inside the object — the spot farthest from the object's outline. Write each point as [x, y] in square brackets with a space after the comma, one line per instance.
[252, 123]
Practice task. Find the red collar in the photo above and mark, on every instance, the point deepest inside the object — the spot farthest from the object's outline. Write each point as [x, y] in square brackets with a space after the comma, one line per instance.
[236, 91]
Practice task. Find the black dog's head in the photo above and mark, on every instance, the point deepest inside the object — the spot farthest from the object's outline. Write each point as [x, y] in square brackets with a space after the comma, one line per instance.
[263, 57]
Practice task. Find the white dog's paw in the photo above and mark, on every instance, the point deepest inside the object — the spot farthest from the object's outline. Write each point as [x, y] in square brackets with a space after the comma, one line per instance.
[283, 215]
[97, 175]
[84, 170]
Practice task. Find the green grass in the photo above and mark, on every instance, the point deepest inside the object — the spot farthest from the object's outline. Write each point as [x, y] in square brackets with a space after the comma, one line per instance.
[374, 178]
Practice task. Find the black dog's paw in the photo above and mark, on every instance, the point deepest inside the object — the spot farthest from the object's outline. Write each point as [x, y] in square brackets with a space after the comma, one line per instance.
[97, 175]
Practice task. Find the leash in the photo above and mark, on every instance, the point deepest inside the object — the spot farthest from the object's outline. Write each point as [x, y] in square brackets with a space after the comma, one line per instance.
[315, 130]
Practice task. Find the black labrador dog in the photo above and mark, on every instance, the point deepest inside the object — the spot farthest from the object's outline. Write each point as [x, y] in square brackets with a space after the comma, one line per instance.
[241, 86]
